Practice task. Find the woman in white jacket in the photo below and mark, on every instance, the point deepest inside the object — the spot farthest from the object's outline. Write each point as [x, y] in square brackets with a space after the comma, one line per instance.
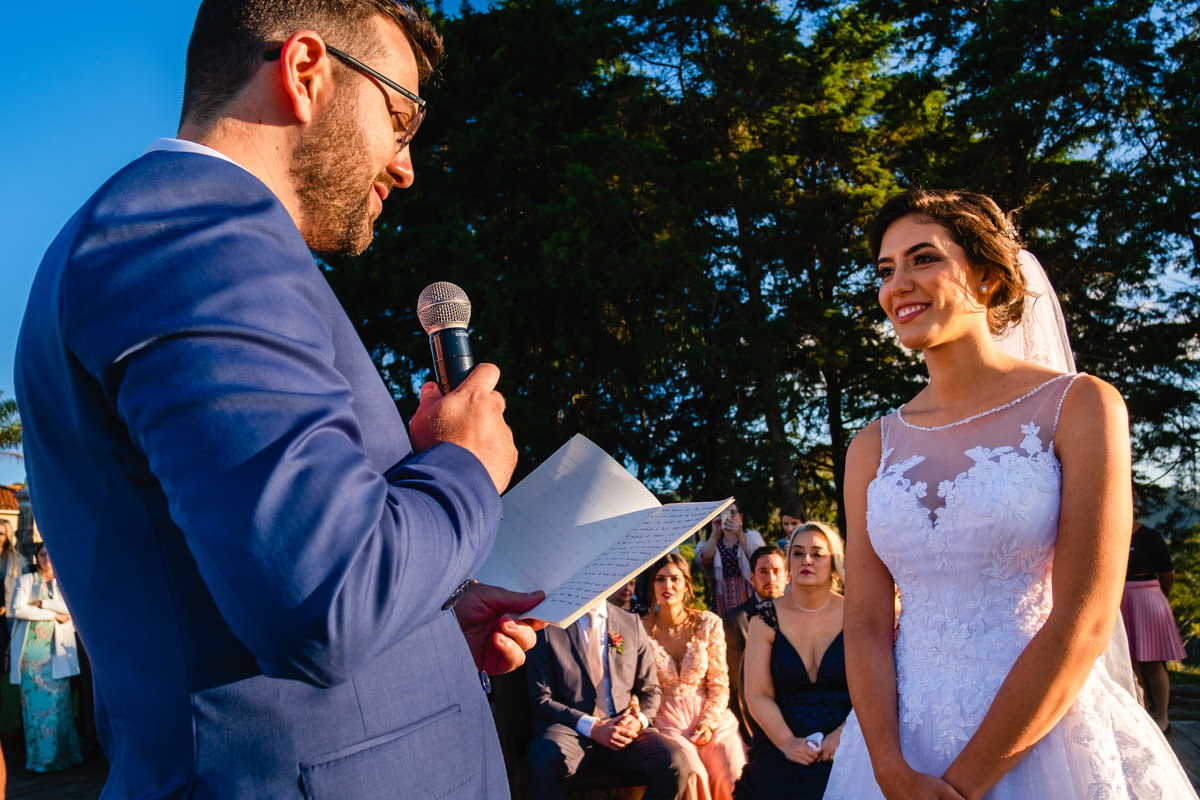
[724, 558]
[43, 658]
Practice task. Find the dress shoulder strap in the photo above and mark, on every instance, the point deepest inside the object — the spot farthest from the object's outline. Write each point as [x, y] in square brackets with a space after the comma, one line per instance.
[766, 610]
[1058, 409]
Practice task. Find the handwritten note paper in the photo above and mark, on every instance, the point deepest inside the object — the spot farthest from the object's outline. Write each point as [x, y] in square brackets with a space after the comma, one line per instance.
[579, 526]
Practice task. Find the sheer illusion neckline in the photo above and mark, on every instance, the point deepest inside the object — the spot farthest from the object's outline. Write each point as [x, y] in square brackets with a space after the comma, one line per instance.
[981, 414]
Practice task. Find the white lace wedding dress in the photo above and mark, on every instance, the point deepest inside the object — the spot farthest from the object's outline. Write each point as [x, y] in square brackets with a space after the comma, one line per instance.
[965, 516]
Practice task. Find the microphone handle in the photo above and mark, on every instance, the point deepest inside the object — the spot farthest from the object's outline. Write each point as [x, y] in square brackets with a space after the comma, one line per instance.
[452, 358]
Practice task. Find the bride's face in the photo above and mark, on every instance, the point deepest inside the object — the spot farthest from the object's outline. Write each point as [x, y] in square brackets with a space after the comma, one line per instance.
[927, 286]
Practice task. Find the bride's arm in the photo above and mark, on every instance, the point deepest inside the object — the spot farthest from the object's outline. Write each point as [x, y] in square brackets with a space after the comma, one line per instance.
[868, 633]
[1094, 526]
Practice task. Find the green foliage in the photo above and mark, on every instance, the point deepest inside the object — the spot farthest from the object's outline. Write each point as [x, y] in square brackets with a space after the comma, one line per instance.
[658, 209]
[688, 551]
[1185, 594]
[10, 429]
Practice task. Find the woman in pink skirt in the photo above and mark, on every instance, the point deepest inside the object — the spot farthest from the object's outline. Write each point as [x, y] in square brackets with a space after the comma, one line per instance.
[1153, 636]
[689, 652]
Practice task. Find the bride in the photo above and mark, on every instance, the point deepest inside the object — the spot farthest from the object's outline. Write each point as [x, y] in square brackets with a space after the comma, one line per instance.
[998, 502]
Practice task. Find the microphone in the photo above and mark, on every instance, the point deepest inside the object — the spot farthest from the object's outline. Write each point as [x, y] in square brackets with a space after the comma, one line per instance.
[444, 312]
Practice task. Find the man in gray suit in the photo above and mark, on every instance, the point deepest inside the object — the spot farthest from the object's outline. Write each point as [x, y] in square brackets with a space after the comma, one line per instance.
[594, 690]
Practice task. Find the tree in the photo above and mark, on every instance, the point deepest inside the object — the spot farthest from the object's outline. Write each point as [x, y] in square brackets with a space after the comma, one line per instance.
[659, 206]
[10, 429]
[780, 108]
[1079, 114]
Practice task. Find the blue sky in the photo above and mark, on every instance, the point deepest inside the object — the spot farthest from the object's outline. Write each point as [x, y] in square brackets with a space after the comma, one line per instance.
[95, 83]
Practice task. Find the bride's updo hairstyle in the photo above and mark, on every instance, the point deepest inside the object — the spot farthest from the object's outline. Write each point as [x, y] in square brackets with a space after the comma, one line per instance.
[979, 227]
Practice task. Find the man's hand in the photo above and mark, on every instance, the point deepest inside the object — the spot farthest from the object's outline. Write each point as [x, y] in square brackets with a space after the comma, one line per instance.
[616, 733]
[471, 416]
[497, 638]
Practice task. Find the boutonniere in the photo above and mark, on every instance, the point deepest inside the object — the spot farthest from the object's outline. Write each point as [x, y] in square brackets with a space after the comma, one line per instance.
[616, 642]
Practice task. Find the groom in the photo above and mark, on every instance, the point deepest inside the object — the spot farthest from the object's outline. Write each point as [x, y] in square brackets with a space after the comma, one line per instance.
[594, 689]
[266, 569]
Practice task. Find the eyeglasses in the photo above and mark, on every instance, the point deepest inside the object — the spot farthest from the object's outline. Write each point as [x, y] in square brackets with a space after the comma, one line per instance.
[405, 129]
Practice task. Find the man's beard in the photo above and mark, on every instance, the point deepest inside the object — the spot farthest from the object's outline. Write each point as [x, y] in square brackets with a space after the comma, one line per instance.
[334, 192]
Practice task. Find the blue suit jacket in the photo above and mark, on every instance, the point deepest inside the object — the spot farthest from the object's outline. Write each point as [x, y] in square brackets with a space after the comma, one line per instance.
[256, 561]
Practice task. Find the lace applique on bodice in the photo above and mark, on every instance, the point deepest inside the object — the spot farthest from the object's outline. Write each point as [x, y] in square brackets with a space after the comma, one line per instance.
[702, 671]
[966, 518]
[972, 557]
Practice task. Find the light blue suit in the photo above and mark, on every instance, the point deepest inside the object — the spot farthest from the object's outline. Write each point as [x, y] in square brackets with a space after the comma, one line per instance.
[255, 559]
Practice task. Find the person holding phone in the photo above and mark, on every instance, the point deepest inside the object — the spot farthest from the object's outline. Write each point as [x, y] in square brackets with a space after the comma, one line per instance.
[724, 558]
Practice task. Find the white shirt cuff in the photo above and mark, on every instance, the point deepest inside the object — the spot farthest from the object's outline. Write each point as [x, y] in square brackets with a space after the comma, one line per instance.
[585, 725]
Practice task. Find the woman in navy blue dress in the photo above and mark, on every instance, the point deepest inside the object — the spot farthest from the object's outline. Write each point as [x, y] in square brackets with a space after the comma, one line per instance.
[795, 674]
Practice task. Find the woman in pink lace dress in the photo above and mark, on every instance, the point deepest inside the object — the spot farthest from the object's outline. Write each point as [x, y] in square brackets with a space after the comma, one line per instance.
[689, 652]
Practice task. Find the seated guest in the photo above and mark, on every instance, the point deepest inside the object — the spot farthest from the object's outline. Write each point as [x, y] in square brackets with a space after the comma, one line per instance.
[795, 671]
[689, 651]
[593, 688]
[625, 597]
[769, 577]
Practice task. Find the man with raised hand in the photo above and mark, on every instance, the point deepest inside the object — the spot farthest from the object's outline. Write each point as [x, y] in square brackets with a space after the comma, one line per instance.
[262, 561]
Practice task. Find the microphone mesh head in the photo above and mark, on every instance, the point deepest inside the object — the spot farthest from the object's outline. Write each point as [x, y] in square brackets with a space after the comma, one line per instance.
[443, 305]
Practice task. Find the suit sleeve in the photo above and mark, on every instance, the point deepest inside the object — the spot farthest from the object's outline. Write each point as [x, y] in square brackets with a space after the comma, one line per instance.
[735, 639]
[220, 367]
[543, 676]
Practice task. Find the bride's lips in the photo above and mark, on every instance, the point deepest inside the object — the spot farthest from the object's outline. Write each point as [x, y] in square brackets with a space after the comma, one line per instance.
[908, 311]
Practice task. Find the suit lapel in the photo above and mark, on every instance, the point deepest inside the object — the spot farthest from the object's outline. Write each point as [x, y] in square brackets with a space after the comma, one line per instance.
[581, 655]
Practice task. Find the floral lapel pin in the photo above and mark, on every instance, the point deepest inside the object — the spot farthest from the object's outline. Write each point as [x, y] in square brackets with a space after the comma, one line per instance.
[616, 642]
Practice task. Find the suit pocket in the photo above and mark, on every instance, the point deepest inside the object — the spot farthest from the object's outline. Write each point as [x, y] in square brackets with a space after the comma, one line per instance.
[419, 760]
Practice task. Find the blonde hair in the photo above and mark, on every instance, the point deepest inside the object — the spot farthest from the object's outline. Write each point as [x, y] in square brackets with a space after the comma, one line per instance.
[837, 549]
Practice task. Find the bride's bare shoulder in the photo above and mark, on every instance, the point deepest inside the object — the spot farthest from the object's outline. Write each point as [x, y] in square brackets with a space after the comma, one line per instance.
[862, 457]
[1090, 397]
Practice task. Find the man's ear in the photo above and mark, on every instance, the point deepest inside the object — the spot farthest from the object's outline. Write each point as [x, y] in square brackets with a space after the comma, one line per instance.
[305, 73]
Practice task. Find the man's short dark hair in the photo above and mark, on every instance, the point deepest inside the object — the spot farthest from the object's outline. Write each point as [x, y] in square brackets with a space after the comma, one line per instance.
[765, 550]
[231, 37]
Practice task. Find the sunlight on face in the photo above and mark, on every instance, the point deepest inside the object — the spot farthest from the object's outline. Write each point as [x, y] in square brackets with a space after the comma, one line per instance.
[669, 585]
[770, 576]
[927, 285]
[809, 559]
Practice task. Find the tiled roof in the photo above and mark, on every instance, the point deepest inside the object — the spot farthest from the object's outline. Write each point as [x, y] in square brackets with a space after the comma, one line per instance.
[8, 499]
